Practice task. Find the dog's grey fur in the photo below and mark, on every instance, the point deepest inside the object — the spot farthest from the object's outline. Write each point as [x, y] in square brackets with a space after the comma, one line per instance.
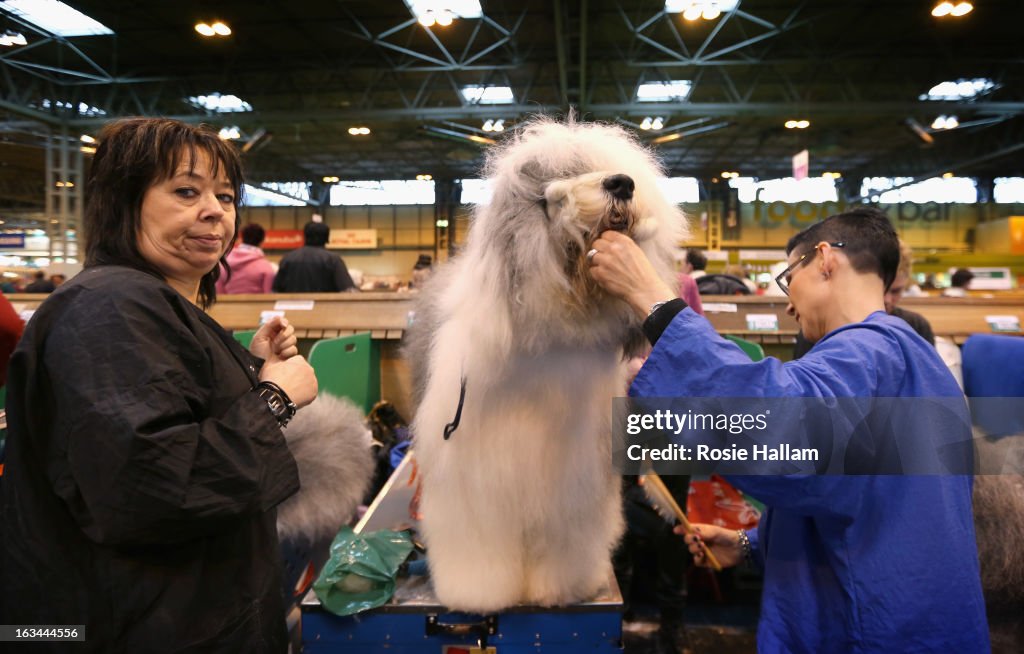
[331, 446]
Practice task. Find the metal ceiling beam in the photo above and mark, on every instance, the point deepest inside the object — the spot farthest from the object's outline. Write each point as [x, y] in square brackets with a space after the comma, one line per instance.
[721, 109]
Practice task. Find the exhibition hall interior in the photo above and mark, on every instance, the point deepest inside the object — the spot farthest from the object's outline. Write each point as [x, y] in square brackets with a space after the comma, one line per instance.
[352, 326]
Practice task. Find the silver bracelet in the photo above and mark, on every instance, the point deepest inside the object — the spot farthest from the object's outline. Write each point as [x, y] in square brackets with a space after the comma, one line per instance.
[744, 544]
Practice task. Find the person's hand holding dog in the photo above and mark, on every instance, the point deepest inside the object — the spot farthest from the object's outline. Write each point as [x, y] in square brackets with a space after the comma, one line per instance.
[622, 269]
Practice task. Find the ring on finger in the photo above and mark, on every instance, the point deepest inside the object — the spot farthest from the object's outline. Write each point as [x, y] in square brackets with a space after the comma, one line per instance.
[591, 253]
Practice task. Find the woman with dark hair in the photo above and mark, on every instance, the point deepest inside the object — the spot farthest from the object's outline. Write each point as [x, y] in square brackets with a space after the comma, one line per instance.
[145, 455]
[247, 269]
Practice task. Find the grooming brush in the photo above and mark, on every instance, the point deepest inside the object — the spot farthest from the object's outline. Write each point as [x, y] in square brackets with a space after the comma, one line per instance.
[667, 507]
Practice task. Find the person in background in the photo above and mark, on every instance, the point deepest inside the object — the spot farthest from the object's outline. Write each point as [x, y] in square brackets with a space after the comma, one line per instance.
[695, 263]
[145, 453]
[312, 268]
[248, 270]
[852, 563]
[57, 279]
[959, 283]
[421, 271]
[40, 284]
[740, 272]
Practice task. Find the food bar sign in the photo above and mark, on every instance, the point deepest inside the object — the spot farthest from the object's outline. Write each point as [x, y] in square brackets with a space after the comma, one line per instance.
[353, 239]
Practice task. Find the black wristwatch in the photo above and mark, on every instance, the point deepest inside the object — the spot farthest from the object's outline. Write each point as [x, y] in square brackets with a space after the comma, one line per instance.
[280, 405]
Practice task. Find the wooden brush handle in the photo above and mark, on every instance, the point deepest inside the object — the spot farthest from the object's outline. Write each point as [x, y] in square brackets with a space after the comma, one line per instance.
[653, 478]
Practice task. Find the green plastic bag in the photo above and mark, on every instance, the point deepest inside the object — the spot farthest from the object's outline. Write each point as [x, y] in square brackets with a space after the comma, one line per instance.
[360, 573]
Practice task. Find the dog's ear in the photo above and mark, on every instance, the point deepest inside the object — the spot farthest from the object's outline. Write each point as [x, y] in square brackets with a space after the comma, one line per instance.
[531, 170]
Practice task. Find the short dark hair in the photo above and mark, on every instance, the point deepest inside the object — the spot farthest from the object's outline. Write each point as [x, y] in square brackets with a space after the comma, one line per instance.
[697, 259]
[253, 234]
[316, 233]
[871, 241]
[133, 155]
[961, 278]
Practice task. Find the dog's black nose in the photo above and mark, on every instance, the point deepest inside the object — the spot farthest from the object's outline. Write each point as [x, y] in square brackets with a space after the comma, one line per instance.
[620, 186]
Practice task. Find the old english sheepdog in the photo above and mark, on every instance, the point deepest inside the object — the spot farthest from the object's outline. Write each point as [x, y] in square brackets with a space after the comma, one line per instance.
[517, 353]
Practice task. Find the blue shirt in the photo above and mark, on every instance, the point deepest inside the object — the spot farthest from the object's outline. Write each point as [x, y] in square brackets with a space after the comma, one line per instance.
[852, 563]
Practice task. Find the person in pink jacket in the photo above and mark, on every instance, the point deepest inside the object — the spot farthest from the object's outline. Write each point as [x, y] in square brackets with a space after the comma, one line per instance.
[250, 270]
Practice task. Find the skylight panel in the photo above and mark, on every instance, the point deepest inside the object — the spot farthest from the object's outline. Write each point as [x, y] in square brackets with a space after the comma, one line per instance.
[488, 94]
[962, 89]
[677, 89]
[56, 17]
[221, 104]
[461, 8]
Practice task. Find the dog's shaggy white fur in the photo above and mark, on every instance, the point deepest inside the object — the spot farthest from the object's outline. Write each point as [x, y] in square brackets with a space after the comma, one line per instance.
[521, 504]
[331, 446]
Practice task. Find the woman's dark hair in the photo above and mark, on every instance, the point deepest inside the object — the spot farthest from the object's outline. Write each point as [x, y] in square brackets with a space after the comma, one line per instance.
[871, 243]
[961, 278]
[253, 234]
[133, 155]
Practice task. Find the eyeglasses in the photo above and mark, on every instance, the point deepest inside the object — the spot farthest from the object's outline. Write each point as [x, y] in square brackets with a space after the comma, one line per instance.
[783, 279]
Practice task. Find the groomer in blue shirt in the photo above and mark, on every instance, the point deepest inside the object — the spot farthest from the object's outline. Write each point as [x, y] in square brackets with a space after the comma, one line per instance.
[858, 563]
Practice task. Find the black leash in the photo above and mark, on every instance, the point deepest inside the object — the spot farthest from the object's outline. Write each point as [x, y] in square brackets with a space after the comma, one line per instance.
[450, 428]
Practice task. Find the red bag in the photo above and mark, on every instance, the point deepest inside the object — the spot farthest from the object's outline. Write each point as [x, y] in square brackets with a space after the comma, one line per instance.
[717, 502]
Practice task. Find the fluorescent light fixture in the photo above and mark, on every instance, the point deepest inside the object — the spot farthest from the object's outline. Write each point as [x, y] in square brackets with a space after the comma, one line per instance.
[961, 89]
[456, 8]
[221, 104]
[56, 17]
[476, 94]
[676, 89]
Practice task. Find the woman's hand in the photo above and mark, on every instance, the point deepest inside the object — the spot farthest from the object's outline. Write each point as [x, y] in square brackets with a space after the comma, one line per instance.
[723, 543]
[622, 269]
[295, 377]
[275, 338]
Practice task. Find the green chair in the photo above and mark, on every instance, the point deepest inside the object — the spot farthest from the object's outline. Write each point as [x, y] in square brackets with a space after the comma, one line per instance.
[752, 349]
[244, 337]
[348, 367]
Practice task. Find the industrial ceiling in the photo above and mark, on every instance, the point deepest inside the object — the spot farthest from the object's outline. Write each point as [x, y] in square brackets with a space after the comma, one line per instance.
[310, 70]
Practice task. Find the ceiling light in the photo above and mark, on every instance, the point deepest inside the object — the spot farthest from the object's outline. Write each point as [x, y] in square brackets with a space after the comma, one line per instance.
[477, 94]
[646, 123]
[11, 38]
[331, 180]
[88, 149]
[499, 125]
[803, 124]
[942, 9]
[205, 29]
[711, 12]
[961, 9]
[664, 91]
[488, 125]
[947, 175]
[55, 17]
[424, 178]
[220, 103]
[692, 12]
[832, 175]
[945, 122]
[85, 138]
[438, 8]
[358, 131]
[657, 124]
[961, 89]
[230, 133]
[221, 29]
